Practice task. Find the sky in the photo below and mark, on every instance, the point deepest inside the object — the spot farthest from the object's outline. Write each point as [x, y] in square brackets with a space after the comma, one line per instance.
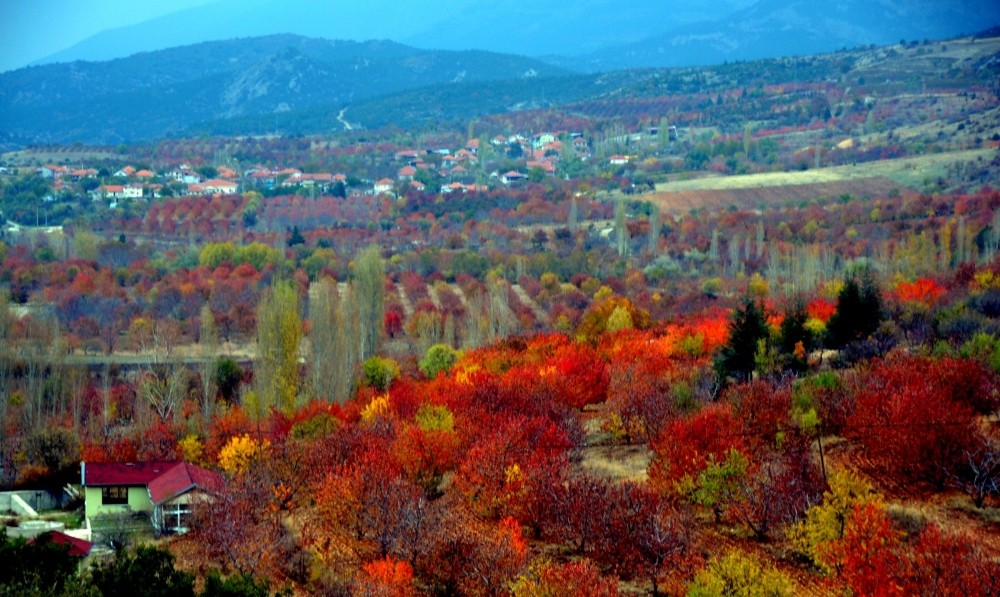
[33, 29]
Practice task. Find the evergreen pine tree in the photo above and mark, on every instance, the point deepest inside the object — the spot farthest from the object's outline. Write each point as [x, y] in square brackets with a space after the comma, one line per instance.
[859, 311]
[793, 332]
[746, 330]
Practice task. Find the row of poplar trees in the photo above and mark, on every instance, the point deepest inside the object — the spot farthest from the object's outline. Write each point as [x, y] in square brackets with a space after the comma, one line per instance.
[345, 329]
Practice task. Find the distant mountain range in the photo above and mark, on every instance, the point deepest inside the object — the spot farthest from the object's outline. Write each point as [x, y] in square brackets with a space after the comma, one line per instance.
[552, 27]
[156, 93]
[266, 83]
[587, 35]
[771, 28]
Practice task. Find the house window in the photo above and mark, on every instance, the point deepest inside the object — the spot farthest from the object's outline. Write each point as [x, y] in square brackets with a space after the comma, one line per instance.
[176, 517]
[112, 496]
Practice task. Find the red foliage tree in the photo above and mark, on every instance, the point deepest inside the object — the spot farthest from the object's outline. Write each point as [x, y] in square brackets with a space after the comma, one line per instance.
[684, 447]
[909, 420]
[386, 578]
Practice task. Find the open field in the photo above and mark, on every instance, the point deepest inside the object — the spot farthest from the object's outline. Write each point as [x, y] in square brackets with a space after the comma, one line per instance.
[57, 155]
[776, 188]
[909, 172]
[682, 202]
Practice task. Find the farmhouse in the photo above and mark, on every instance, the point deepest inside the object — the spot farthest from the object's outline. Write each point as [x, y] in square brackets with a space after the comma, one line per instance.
[165, 491]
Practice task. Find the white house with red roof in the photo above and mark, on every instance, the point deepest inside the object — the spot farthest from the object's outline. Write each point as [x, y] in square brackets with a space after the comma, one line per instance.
[384, 185]
[219, 186]
[512, 177]
[113, 191]
[406, 173]
[166, 491]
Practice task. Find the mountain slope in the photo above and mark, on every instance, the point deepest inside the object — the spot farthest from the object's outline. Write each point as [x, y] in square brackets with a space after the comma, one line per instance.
[151, 94]
[564, 27]
[227, 19]
[772, 28]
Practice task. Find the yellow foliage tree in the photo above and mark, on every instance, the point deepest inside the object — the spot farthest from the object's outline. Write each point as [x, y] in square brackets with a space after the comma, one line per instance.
[191, 449]
[619, 320]
[378, 408]
[239, 453]
[826, 521]
[435, 418]
[739, 574]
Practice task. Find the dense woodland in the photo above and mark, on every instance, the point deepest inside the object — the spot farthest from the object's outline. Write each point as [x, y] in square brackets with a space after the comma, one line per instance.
[565, 387]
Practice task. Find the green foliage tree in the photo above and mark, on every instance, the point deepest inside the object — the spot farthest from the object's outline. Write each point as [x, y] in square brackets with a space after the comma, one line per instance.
[439, 359]
[748, 327]
[718, 484]
[38, 568]
[228, 377]
[146, 572]
[379, 372]
[237, 585]
[619, 320]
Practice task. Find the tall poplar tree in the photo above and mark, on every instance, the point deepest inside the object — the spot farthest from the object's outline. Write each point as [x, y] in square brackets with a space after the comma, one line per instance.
[279, 331]
[331, 355]
[369, 293]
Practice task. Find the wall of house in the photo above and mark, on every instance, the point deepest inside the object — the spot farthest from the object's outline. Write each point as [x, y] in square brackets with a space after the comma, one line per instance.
[138, 501]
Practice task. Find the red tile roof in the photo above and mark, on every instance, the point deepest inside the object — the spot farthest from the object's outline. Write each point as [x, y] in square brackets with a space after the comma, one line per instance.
[165, 480]
[96, 474]
[218, 183]
[78, 548]
[180, 479]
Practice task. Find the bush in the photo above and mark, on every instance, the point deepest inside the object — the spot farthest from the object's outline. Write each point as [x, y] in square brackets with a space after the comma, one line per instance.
[439, 359]
[379, 372]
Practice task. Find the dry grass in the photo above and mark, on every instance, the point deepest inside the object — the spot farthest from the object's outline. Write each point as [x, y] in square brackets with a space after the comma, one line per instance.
[681, 202]
[616, 463]
[906, 171]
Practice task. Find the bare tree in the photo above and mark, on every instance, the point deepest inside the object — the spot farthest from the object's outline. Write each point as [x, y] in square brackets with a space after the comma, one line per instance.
[979, 476]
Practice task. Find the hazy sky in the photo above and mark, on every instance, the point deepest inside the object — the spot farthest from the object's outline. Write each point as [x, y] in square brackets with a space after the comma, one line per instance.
[34, 29]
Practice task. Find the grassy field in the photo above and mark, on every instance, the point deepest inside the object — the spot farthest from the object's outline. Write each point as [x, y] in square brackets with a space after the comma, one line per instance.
[909, 172]
[58, 155]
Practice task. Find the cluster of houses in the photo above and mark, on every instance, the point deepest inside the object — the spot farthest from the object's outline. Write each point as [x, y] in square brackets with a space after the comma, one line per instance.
[140, 183]
[458, 171]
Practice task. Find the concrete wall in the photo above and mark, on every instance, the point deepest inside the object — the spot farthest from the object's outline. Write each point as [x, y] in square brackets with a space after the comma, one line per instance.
[39, 500]
[34, 528]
